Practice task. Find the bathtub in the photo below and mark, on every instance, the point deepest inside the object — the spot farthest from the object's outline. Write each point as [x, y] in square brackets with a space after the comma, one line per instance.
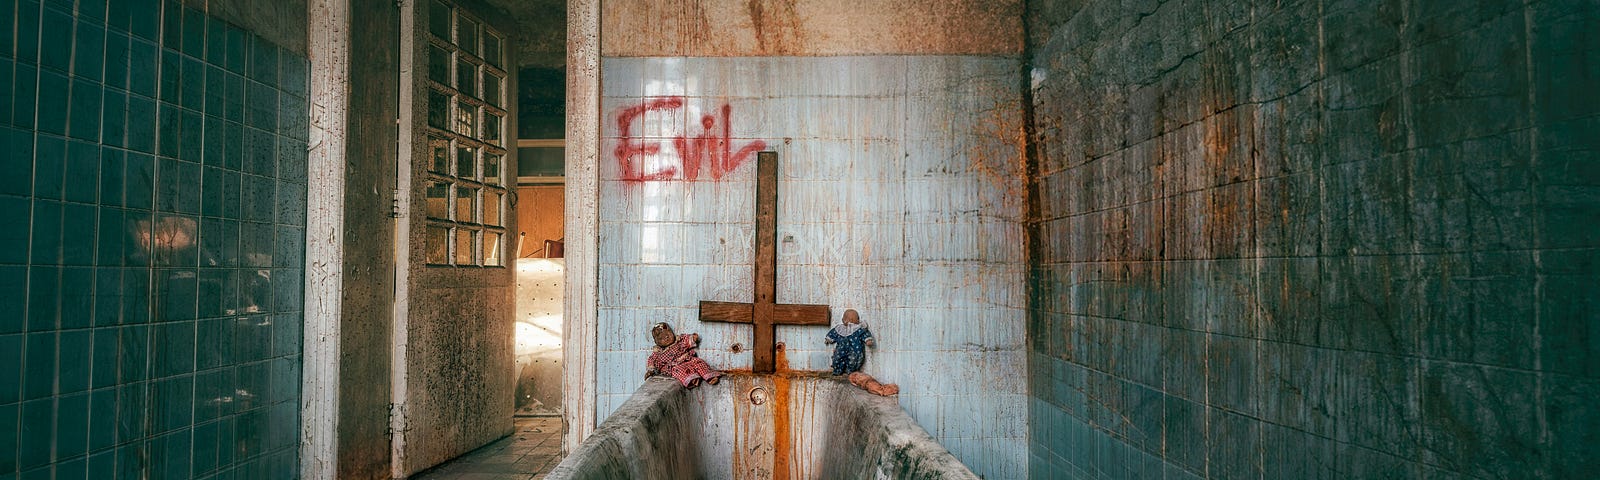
[784, 426]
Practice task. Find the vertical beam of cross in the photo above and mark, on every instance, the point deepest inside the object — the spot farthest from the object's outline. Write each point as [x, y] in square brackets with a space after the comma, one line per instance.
[765, 313]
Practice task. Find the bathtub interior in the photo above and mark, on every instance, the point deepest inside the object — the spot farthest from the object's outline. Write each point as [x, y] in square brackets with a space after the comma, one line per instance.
[784, 426]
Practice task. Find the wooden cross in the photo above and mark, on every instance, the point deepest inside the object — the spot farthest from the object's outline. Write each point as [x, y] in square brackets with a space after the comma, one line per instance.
[765, 312]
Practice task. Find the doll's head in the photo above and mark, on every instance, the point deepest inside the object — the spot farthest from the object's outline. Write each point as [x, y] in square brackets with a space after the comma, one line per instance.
[851, 317]
[662, 333]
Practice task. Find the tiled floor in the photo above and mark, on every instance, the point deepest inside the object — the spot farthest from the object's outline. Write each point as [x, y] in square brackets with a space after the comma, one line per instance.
[533, 450]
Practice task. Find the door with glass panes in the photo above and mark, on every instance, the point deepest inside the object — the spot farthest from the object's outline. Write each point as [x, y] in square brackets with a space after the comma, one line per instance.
[458, 360]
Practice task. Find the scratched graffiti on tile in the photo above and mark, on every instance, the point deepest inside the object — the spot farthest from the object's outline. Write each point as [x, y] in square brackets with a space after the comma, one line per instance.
[711, 149]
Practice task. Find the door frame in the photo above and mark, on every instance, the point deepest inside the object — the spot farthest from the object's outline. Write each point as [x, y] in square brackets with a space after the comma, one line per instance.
[581, 306]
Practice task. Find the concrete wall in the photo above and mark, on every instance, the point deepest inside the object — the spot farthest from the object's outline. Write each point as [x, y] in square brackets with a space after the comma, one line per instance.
[153, 209]
[811, 27]
[1315, 239]
[899, 196]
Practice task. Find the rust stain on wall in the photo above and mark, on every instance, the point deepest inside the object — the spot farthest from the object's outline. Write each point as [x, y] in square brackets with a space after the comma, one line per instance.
[777, 27]
[1003, 159]
[811, 27]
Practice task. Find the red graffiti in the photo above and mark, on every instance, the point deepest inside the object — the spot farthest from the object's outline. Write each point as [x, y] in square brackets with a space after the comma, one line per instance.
[713, 147]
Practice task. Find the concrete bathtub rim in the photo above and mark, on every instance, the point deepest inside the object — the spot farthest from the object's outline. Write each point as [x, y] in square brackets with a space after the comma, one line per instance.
[911, 452]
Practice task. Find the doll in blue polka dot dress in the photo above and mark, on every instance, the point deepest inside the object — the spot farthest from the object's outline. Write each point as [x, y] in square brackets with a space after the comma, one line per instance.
[852, 338]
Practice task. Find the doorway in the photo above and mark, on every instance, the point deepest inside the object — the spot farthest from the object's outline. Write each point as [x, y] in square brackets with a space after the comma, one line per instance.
[540, 266]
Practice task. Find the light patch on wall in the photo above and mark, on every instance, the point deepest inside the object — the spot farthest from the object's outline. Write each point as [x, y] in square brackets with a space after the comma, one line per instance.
[649, 244]
[538, 333]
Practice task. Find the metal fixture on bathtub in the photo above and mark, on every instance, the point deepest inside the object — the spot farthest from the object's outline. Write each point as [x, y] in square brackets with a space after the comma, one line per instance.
[758, 395]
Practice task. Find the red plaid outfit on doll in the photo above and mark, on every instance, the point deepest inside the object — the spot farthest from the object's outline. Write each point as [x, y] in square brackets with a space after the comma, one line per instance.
[675, 356]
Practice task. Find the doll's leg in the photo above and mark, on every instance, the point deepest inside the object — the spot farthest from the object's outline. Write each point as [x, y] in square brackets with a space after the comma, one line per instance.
[866, 382]
[712, 376]
[856, 359]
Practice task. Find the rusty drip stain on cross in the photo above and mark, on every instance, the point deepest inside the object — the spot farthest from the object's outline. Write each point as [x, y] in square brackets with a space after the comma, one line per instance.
[765, 313]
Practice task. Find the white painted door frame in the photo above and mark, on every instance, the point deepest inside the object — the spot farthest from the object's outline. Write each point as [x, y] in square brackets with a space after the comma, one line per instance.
[582, 224]
[328, 35]
[400, 324]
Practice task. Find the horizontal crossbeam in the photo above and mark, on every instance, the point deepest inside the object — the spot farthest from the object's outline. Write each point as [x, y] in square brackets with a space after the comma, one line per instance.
[782, 313]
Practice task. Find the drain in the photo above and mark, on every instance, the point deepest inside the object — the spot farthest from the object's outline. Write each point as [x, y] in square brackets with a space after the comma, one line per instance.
[758, 395]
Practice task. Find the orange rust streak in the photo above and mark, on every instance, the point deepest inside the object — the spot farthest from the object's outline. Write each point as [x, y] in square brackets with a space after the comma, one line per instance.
[782, 449]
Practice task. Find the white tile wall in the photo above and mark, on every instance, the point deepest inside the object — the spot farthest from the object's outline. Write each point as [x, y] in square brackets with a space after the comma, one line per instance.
[899, 197]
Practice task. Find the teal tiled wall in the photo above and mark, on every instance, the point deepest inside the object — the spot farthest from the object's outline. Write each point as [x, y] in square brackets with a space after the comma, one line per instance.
[1315, 239]
[152, 193]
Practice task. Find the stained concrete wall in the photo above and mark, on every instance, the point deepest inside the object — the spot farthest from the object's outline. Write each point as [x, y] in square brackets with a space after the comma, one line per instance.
[811, 27]
[1315, 239]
